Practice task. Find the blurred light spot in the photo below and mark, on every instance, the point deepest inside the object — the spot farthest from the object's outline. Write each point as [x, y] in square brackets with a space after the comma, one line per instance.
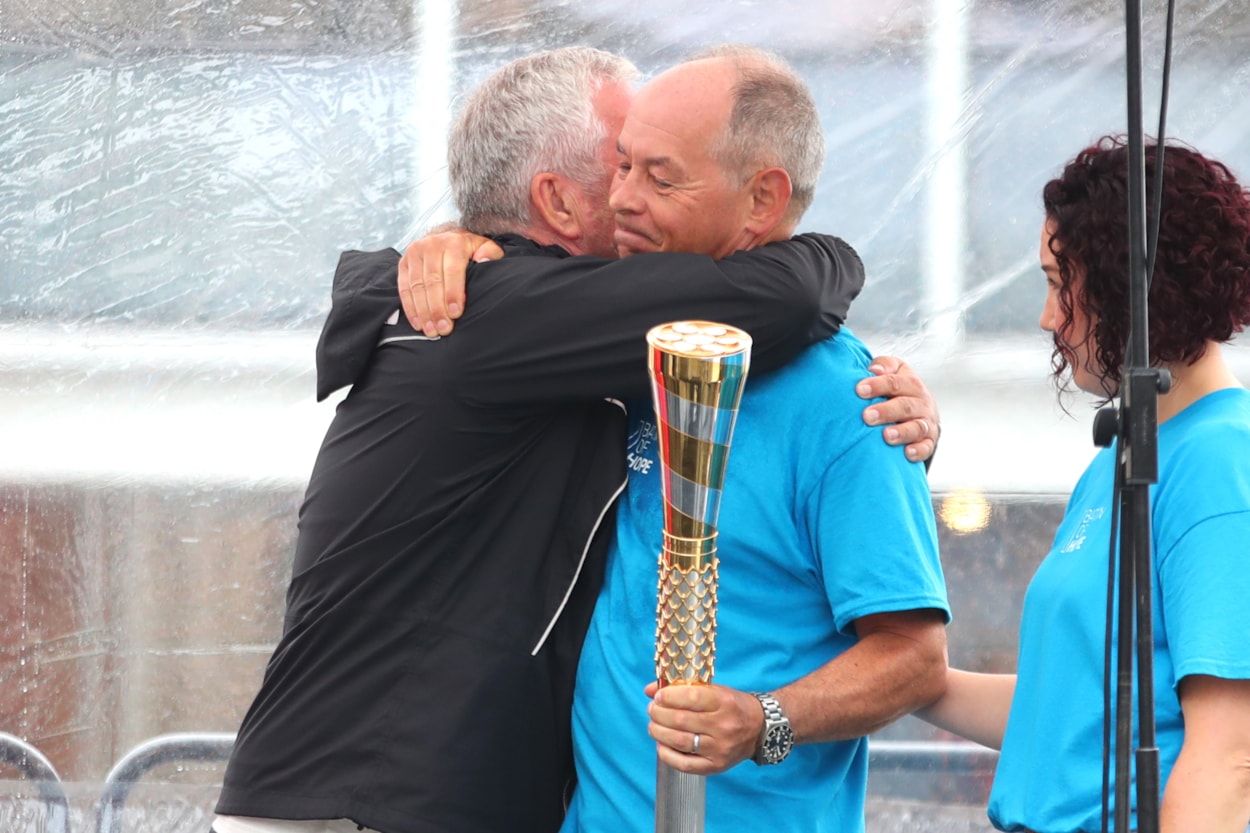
[965, 511]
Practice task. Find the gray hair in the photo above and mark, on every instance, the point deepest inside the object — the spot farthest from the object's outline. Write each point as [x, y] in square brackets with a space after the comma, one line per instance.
[532, 115]
[774, 123]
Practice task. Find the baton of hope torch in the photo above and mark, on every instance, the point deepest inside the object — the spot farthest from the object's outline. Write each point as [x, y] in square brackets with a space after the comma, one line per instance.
[698, 370]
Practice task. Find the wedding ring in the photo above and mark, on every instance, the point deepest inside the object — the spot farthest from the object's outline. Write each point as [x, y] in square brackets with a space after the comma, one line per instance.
[695, 749]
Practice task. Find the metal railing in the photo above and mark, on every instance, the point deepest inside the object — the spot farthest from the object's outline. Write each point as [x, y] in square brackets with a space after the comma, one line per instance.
[37, 769]
[883, 756]
[929, 755]
[160, 750]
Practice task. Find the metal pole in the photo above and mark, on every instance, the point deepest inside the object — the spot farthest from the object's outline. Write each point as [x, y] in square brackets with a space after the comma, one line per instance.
[434, 87]
[946, 216]
[1138, 450]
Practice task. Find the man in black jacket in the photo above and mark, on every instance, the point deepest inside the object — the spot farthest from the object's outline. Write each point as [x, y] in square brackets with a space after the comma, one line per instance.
[451, 540]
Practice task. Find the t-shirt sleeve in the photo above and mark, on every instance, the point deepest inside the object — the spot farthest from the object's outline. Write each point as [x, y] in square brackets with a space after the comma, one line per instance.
[1204, 582]
[870, 518]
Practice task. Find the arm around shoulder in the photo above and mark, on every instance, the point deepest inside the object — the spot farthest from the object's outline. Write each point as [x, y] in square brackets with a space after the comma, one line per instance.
[787, 294]
[802, 290]
[574, 327]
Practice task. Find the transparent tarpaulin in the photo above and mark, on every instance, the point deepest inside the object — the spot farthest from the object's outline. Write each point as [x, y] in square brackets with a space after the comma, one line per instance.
[178, 178]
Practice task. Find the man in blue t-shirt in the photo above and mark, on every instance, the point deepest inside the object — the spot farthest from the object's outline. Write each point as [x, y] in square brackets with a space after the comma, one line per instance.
[832, 604]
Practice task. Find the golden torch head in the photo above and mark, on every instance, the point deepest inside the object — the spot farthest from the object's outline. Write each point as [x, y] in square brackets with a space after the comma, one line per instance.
[698, 370]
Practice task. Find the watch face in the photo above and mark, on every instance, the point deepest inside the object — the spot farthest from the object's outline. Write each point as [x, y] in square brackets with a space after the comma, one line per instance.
[777, 743]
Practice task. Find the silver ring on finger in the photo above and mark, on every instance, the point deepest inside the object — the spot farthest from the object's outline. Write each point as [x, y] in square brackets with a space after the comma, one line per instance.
[695, 747]
[925, 423]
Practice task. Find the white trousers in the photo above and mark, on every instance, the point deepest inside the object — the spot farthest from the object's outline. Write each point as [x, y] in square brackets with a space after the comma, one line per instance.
[247, 824]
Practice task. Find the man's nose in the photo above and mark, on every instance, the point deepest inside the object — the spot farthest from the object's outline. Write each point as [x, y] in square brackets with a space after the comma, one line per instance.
[623, 196]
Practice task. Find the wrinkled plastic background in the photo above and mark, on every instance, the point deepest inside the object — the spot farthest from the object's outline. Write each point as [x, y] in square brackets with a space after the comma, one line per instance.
[177, 178]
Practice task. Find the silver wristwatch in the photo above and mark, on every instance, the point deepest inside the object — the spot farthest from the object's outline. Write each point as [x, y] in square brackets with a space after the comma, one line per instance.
[777, 738]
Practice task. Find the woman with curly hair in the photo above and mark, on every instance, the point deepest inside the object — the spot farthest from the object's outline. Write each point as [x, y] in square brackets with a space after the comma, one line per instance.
[1047, 718]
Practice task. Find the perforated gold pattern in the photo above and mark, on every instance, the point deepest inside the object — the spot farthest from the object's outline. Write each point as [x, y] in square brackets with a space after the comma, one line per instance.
[685, 615]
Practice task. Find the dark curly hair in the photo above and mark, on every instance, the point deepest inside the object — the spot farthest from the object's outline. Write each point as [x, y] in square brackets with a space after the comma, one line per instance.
[1200, 291]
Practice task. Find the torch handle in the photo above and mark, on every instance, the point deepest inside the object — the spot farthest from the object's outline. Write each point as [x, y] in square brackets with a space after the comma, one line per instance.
[685, 653]
[685, 614]
[680, 800]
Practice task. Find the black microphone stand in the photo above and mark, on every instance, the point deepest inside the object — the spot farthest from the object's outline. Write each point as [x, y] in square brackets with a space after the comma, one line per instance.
[1137, 428]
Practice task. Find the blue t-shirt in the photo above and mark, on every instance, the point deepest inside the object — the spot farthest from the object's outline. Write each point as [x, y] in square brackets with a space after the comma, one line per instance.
[821, 523]
[1050, 771]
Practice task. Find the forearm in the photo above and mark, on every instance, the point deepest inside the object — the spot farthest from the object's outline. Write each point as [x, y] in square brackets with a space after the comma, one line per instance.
[362, 299]
[803, 290]
[531, 348]
[974, 706]
[1209, 787]
[1211, 795]
[895, 667]
[887, 674]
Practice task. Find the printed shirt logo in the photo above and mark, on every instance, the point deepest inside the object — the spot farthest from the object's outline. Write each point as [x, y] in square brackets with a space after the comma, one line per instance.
[641, 446]
[1078, 536]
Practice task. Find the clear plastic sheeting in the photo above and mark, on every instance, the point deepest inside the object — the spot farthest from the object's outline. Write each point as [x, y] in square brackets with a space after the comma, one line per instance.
[200, 191]
[202, 167]
[177, 180]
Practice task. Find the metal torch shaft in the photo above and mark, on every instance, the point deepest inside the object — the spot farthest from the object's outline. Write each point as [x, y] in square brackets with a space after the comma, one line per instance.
[685, 653]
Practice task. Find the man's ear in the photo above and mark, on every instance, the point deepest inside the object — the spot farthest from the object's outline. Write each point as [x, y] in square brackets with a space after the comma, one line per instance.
[554, 200]
[770, 191]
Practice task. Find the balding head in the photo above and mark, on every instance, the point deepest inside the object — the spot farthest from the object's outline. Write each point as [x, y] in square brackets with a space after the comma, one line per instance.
[773, 122]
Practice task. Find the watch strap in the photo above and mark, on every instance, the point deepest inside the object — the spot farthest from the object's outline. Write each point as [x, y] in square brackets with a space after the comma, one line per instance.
[776, 738]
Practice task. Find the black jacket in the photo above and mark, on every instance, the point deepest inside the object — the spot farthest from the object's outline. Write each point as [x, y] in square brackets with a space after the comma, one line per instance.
[449, 549]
